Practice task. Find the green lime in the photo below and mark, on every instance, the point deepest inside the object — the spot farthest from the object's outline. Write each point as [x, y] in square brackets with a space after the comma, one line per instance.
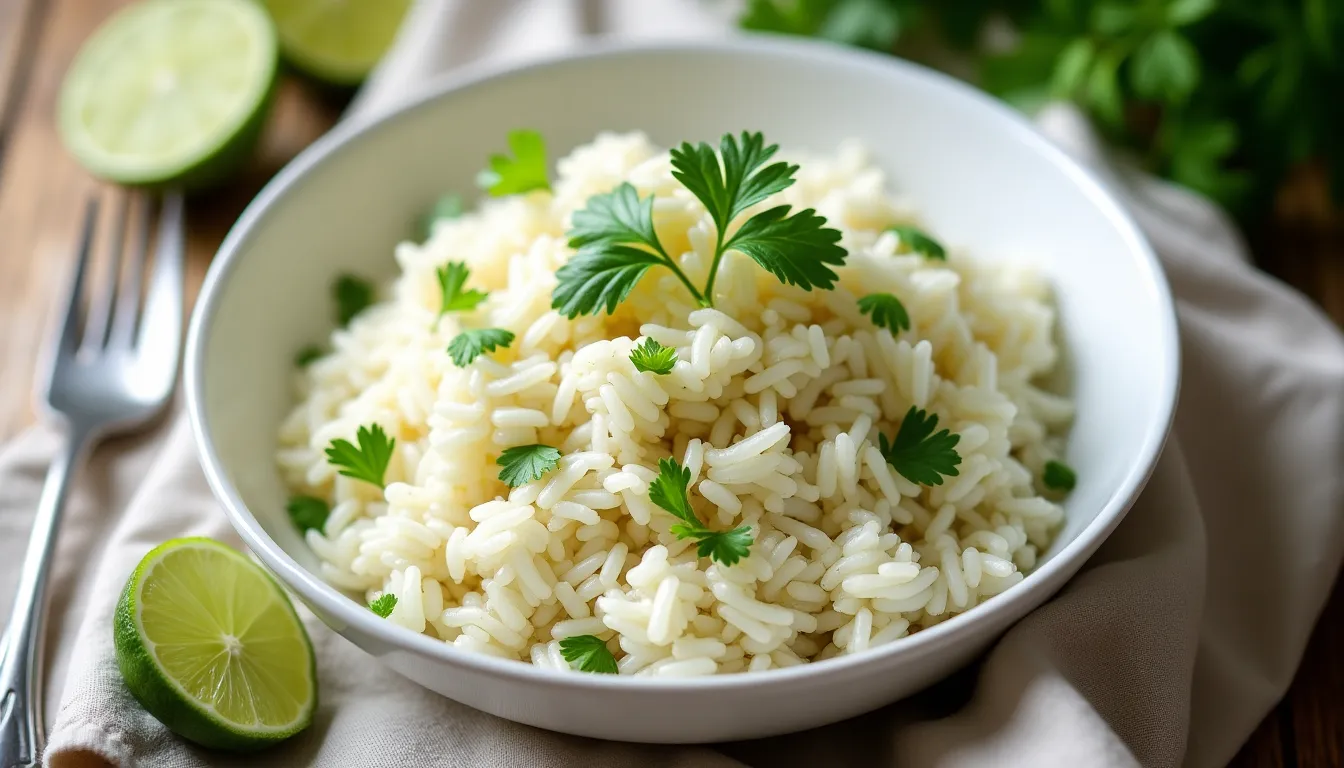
[170, 91]
[336, 41]
[210, 645]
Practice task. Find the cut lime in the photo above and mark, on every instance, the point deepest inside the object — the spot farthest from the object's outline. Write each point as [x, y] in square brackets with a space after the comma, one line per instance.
[338, 41]
[210, 645]
[170, 91]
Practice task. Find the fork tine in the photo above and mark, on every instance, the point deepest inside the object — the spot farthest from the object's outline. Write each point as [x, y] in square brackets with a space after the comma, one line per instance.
[128, 300]
[104, 298]
[161, 324]
[70, 327]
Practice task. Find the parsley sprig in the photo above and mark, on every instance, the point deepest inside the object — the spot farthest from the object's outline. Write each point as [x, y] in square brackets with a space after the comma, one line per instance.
[918, 240]
[523, 172]
[452, 298]
[524, 463]
[668, 491]
[308, 513]
[886, 311]
[589, 654]
[1059, 476]
[384, 605]
[472, 343]
[652, 357]
[353, 295]
[368, 461]
[921, 455]
[616, 242]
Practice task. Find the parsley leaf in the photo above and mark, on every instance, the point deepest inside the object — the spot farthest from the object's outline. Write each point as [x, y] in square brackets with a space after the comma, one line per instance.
[726, 547]
[452, 276]
[795, 249]
[1059, 476]
[668, 492]
[307, 355]
[589, 653]
[741, 182]
[471, 343]
[523, 172]
[353, 295]
[446, 207]
[887, 311]
[369, 461]
[384, 604]
[308, 513]
[919, 241]
[918, 453]
[652, 357]
[524, 463]
[617, 217]
[595, 280]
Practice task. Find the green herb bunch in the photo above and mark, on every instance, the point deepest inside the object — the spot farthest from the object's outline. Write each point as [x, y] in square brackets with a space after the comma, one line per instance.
[1227, 97]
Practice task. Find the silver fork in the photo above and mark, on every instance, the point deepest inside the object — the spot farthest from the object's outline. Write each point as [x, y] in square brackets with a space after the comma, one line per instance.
[112, 369]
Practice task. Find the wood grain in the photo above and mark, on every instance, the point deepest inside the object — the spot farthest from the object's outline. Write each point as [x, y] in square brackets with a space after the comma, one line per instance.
[42, 190]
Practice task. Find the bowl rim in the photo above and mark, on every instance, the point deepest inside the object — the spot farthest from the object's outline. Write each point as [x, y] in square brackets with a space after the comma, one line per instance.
[1021, 598]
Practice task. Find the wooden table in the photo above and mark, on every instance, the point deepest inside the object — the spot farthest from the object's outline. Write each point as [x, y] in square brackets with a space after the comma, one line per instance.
[42, 193]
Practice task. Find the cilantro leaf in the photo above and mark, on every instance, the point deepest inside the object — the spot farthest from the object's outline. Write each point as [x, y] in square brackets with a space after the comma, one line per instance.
[523, 172]
[668, 491]
[1059, 476]
[369, 461]
[796, 249]
[618, 217]
[886, 311]
[741, 182]
[307, 355]
[726, 547]
[595, 279]
[446, 207]
[452, 276]
[469, 344]
[652, 357]
[308, 513]
[353, 295]
[918, 453]
[919, 241]
[524, 463]
[384, 604]
[589, 653]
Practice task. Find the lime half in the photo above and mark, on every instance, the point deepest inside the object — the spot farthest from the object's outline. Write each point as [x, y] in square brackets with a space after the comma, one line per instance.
[170, 91]
[337, 41]
[210, 645]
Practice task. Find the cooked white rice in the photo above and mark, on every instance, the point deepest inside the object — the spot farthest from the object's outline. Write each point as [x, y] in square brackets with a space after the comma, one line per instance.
[775, 407]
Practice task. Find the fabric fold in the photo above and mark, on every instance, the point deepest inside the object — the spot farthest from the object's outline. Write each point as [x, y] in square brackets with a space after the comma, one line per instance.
[1166, 649]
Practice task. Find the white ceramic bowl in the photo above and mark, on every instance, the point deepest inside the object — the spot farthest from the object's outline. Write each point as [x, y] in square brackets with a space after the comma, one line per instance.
[982, 178]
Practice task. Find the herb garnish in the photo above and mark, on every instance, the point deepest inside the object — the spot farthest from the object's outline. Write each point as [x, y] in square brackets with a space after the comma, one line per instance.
[384, 605]
[308, 513]
[617, 244]
[523, 172]
[353, 295]
[469, 344]
[452, 277]
[524, 463]
[668, 491]
[919, 241]
[886, 311]
[918, 453]
[369, 461]
[589, 653]
[1059, 476]
[652, 357]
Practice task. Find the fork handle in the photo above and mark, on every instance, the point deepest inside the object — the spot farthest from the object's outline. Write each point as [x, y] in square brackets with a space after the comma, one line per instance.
[21, 727]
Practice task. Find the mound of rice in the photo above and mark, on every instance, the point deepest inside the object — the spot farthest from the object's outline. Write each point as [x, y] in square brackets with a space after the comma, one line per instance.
[775, 407]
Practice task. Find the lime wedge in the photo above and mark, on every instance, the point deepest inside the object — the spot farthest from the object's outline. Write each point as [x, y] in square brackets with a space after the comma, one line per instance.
[210, 645]
[337, 41]
[170, 91]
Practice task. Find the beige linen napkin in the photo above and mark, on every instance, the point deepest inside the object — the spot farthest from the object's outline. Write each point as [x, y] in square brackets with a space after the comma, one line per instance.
[1167, 649]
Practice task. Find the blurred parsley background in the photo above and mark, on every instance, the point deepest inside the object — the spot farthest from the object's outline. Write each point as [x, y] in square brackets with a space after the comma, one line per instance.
[1226, 97]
